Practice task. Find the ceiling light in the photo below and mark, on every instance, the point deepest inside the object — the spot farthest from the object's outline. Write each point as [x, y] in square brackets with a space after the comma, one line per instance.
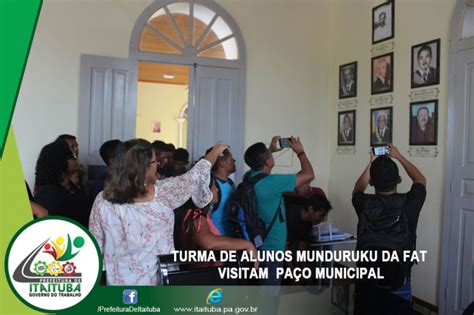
[168, 76]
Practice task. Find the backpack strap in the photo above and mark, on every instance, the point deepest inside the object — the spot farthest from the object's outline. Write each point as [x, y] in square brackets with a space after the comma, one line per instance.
[277, 213]
[219, 183]
[214, 207]
[252, 181]
[231, 182]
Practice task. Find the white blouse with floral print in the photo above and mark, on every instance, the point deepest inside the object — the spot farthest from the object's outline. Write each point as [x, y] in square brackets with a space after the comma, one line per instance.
[131, 236]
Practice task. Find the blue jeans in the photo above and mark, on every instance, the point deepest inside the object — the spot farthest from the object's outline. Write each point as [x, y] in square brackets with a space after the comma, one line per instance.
[272, 279]
[404, 292]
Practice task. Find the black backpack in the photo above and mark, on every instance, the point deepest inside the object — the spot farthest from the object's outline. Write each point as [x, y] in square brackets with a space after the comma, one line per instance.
[383, 225]
[243, 212]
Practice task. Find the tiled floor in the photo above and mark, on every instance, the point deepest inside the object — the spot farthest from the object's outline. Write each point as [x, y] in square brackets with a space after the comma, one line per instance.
[420, 310]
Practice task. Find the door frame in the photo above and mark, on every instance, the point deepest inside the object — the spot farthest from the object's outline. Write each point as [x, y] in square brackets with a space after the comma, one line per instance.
[455, 45]
[189, 58]
[110, 67]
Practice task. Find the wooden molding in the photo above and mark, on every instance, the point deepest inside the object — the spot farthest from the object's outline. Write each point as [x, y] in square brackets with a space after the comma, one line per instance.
[425, 304]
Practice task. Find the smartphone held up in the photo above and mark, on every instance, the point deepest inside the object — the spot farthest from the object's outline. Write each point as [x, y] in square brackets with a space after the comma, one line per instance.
[380, 150]
[284, 143]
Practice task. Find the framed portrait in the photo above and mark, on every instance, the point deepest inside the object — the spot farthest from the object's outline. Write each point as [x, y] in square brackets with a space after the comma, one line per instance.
[382, 74]
[348, 80]
[425, 64]
[380, 126]
[156, 126]
[346, 128]
[383, 22]
[424, 123]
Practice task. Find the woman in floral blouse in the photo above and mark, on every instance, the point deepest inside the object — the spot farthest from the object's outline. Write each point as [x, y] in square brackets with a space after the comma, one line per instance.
[133, 219]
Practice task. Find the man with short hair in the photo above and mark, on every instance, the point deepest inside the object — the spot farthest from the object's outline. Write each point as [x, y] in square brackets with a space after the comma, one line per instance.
[107, 153]
[426, 74]
[382, 27]
[268, 192]
[382, 173]
[382, 72]
[348, 83]
[382, 18]
[382, 131]
[315, 209]
[346, 134]
[181, 161]
[224, 166]
[423, 129]
[164, 158]
[310, 210]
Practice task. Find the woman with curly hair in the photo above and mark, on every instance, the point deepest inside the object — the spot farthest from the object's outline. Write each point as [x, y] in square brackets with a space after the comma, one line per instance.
[56, 171]
[132, 219]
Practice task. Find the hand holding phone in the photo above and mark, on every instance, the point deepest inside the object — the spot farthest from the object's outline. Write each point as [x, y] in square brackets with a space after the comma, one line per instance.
[274, 144]
[393, 150]
[381, 150]
[284, 143]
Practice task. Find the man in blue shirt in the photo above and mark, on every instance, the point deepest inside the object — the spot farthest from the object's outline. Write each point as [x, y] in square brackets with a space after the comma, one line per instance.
[224, 166]
[269, 192]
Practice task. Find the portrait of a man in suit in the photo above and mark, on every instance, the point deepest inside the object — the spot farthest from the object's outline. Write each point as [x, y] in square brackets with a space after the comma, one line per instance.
[425, 64]
[346, 128]
[381, 126]
[348, 80]
[382, 74]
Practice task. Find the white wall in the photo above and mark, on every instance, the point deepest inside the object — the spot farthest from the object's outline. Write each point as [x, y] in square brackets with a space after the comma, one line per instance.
[49, 92]
[163, 103]
[287, 76]
[352, 42]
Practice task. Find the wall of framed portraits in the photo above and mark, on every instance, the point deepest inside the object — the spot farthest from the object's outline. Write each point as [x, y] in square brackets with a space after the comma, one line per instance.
[390, 86]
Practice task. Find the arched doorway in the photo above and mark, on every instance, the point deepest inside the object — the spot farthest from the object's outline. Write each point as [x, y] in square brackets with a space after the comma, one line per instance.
[203, 36]
[457, 264]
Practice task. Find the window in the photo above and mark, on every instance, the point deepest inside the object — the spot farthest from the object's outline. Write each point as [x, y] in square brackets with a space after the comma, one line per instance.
[187, 28]
[467, 28]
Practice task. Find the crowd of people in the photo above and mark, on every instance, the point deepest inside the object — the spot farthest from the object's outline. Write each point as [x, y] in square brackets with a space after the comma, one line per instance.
[150, 201]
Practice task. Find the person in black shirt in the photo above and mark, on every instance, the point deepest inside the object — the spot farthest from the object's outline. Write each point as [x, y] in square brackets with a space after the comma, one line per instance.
[107, 153]
[73, 145]
[302, 212]
[181, 161]
[38, 210]
[164, 157]
[56, 172]
[382, 173]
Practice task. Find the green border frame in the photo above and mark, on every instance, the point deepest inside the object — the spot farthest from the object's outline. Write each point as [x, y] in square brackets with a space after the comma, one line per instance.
[27, 225]
[36, 5]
